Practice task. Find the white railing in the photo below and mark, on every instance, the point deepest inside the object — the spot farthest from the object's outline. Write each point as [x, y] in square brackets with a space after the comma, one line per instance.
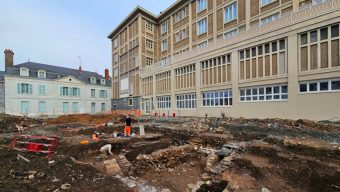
[290, 18]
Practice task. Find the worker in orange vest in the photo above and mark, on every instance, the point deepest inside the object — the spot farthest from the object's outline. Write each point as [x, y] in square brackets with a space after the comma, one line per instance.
[127, 129]
[95, 136]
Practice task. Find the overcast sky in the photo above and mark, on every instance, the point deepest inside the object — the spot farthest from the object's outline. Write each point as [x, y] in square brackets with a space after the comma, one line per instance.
[57, 32]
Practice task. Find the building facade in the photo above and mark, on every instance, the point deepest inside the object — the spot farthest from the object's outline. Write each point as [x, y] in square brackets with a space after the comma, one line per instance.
[34, 89]
[238, 58]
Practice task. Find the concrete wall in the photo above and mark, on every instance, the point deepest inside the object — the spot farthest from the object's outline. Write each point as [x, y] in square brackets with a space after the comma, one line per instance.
[2, 97]
[54, 101]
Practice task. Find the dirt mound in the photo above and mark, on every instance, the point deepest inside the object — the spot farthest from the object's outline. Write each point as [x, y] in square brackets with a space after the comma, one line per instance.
[86, 119]
[40, 175]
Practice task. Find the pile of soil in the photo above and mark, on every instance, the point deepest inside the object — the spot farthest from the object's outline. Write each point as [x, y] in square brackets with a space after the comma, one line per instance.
[40, 175]
[87, 119]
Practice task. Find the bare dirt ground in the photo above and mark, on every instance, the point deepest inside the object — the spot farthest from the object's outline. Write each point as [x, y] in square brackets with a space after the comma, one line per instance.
[176, 155]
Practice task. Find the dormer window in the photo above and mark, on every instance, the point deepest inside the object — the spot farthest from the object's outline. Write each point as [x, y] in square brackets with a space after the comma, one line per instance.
[93, 80]
[41, 74]
[103, 81]
[24, 72]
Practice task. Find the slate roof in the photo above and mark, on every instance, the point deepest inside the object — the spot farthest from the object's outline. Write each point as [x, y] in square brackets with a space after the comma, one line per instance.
[55, 72]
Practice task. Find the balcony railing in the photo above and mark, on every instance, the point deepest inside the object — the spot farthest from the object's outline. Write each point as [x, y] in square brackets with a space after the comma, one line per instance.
[290, 18]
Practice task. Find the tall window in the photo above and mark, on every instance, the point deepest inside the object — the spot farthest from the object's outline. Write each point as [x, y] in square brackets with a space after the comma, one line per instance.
[115, 72]
[230, 12]
[201, 5]
[42, 90]
[24, 107]
[149, 43]
[102, 107]
[149, 61]
[182, 34]
[164, 102]
[216, 70]
[93, 108]
[42, 107]
[185, 77]
[75, 107]
[181, 14]
[93, 80]
[319, 48]
[264, 60]
[66, 107]
[202, 26]
[186, 101]
[149, 25]
[24, 88]
[93, 93]
[103, 94]
[164, 27]
[217, 98]
[115, 57]
[164, 46]
[115, 42]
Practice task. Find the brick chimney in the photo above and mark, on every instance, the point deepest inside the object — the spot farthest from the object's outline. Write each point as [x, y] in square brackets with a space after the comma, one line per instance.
[8, 58]
[107, 75]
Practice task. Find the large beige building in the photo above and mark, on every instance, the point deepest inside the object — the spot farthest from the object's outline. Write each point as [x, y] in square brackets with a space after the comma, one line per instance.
[240, 58]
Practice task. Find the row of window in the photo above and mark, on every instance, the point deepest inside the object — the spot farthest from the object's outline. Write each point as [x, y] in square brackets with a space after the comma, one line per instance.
[320, 86]
[102, 93]
[25, 108]
[70, 91]
[164, 102]
[186, 101]
[266, 93]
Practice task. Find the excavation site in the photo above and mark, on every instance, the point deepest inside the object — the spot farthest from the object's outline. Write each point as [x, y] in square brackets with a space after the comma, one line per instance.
[181, 154]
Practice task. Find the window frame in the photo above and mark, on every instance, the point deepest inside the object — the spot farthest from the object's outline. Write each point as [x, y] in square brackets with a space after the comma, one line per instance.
[205, 27]
[234, 12]
[268, 94]
[164, 27]
[201, 5]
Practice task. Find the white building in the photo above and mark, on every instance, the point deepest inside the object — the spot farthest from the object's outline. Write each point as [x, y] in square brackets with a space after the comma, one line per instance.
[35, 89]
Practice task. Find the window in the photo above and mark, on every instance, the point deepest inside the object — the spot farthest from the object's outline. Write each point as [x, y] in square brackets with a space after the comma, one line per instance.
[230, 34]
[149, 43]
[75, 92]
[103, 94]
[24, 88]
[319, 48]
[320, 86]
[164, 102]
[230, 12]
[75, 107]
[93, 108]
[203, 44]
[182, 34]
[270, 19]
[149, 61]
[201, 5]
[102, 107]
[164, 27]
[269, 59]
[24, 72]
[116, 57]
[265, 2]
[186, 101]
[93, 93]
[149, 25]
[164, 61]
[164, 46]
[181, 14]
[216, 70]
[115, 72]
[103, 81]
[66, 107]
[42, 107]
[267, 93]
[93, 80]
[217, 98]
[24, 107]
[202, 27]
[41, 74]
[315, 2]
[115, 42]
[185, 77]
[130, 102]
[42, 90]
[65, 91]
[70, 91]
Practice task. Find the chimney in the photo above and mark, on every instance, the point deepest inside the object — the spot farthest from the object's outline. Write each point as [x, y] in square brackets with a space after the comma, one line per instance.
[8, 58]
[107, 75]
[80, 70]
